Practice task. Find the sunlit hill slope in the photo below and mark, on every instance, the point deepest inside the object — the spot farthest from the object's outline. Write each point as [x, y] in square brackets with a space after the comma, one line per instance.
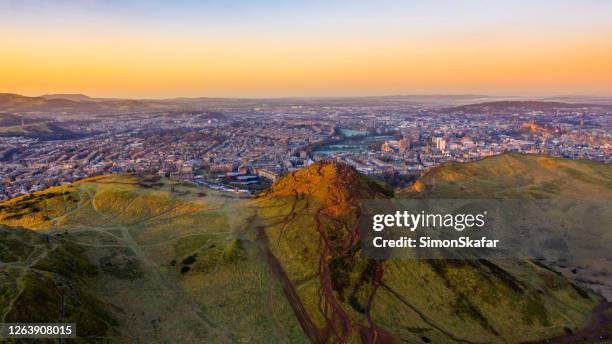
[163, 261]
[516, 176]
[309, 218]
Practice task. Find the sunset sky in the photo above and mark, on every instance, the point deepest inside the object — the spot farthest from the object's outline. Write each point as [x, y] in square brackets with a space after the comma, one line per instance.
[149, 49]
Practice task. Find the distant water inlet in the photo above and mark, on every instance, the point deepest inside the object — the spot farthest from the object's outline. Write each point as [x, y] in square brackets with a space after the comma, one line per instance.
[352, 132]
[355, 141]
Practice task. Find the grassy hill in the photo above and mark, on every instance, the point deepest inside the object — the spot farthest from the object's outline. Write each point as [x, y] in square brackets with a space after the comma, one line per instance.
[43, 131]
[160, 260]
[309, 219]
[513, 106]
[9, 120]
[516, 176]
[522, 176]
[76, 104]
[48, 279]
[169, 262]
[12, 125]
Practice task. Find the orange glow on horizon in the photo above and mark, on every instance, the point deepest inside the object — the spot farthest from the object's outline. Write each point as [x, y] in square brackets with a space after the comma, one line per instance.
[124, 65]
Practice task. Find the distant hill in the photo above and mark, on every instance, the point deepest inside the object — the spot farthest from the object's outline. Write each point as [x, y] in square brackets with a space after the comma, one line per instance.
[175, 262]
[14, 103]
[43, 131]
[59, 104]
[73, 103]
[12, 125]
[68, 96]
[581, 99]
[10, 120]
[521, 106]
[83, 104]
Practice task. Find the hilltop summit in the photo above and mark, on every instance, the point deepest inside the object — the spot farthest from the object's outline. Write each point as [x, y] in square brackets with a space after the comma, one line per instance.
[331, 181]
[76, 97]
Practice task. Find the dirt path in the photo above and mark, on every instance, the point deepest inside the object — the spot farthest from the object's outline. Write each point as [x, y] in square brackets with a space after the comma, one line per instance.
[339, 327]
[426, 319]
[278, 326]
[25, 266]
[328, 304]
[171, 292]
[310, 329]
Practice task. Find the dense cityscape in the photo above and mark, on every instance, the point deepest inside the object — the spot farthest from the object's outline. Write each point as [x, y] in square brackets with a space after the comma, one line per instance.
[245, 148]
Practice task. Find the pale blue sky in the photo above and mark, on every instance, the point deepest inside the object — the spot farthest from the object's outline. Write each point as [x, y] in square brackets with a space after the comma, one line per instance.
[308, 17]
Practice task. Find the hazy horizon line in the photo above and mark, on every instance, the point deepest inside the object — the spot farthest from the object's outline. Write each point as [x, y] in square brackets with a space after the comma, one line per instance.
[434, 94]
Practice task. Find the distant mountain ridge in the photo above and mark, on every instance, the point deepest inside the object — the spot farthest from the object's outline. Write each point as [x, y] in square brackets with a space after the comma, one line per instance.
[58, 104]
[77, 97]
[80, 103]
[523, 106]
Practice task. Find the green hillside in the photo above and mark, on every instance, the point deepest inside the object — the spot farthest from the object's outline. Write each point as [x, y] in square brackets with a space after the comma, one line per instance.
[166, 262]
[309, 218]
[516, 176]
[163, 261]
[12, 125]
[48, 279]
[522, 176]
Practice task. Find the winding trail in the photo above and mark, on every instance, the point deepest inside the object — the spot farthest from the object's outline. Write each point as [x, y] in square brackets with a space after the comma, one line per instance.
[339, 327]
[310, 329]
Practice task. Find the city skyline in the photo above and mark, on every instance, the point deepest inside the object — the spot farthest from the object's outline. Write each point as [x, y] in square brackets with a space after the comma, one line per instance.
[139, 49]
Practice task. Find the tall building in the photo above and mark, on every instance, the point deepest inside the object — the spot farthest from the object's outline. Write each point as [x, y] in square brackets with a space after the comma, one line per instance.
[440, 143]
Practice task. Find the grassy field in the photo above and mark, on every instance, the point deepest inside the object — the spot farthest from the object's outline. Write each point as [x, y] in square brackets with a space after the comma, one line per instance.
[170, 262]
